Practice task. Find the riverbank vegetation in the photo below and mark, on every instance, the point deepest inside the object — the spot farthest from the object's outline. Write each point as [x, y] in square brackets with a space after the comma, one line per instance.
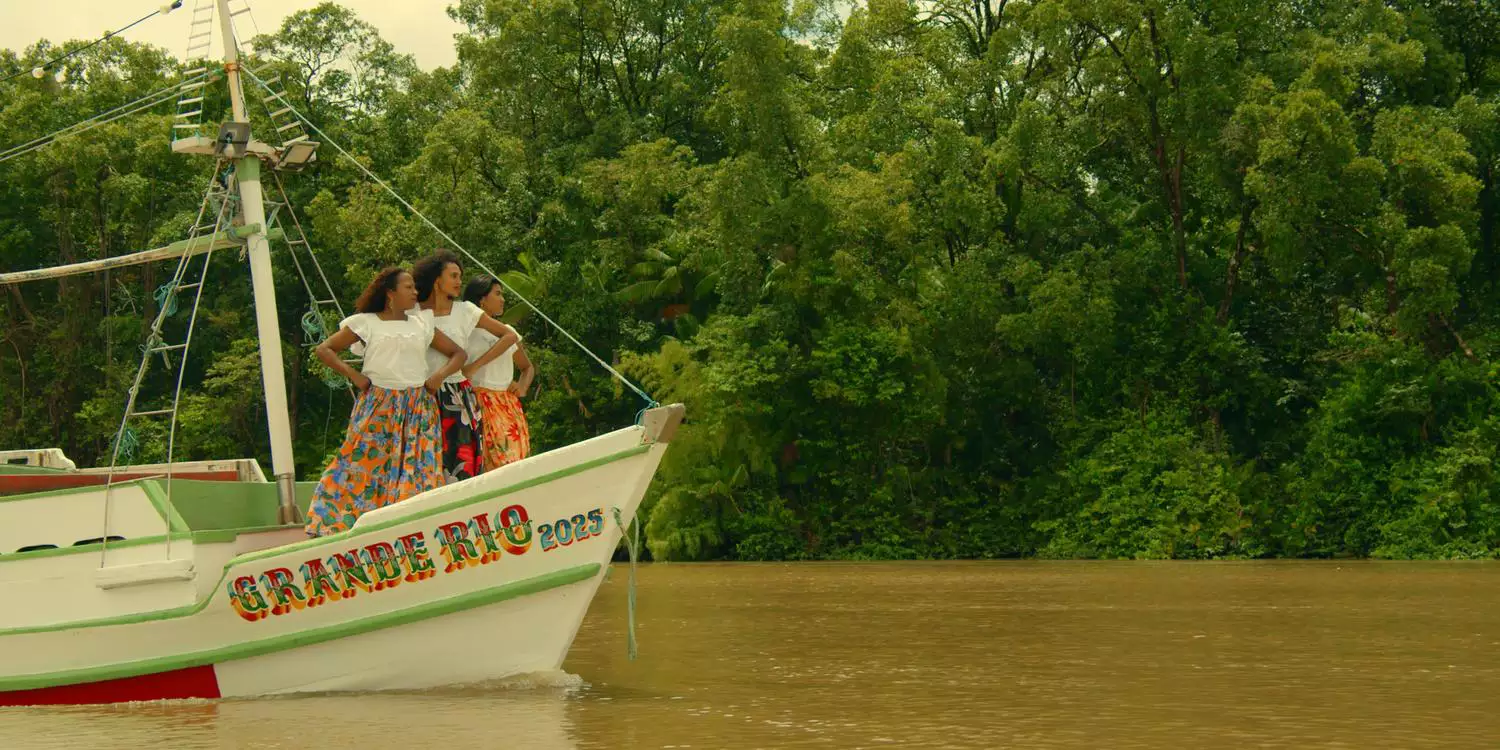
[958, 278]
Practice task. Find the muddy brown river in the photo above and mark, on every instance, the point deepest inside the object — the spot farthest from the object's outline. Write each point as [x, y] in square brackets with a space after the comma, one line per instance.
[935, 655]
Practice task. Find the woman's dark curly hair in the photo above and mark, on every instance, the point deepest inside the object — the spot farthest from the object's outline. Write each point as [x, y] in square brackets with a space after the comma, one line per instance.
[426, 271]
[373, 298]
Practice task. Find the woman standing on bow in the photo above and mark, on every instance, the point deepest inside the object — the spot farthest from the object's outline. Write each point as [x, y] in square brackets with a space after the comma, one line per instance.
[507, 438]
[391, 450]
[439, 280]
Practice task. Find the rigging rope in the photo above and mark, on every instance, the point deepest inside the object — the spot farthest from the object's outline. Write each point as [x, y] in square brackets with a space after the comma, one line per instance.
[63, 131]
[68, 130]
[253, 22]
[165, 9]
[356, 162]
[93, 122]
[314, 325]
[312, 256]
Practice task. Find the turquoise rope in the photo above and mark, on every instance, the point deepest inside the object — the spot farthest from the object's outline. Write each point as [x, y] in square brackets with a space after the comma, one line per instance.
[641, 415]
[166, 298]
[127, 443]
[312, 325]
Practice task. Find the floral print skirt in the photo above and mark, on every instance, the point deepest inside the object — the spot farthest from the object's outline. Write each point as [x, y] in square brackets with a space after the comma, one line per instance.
[389, 454]
[507, 439]
[463, 452]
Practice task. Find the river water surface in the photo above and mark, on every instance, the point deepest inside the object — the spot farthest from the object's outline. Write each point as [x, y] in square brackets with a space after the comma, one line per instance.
[935, 655]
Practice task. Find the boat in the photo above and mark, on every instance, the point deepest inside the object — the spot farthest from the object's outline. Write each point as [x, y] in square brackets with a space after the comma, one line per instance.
[185, 580]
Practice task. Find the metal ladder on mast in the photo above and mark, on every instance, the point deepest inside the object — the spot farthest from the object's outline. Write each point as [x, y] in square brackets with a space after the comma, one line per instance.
[218, 201]
[188, 121]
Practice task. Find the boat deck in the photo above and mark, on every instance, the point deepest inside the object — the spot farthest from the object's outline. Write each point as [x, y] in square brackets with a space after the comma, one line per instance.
[202, 498]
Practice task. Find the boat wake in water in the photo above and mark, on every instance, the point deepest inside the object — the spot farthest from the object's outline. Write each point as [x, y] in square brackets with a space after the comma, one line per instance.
[552, 679]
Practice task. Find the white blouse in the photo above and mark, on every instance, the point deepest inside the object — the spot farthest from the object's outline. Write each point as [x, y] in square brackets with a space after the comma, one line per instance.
[497, 375]
[456, 325]
[392, 349]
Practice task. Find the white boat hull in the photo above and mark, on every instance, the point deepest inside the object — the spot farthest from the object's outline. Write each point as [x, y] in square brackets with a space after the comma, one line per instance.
[477, 581]
[519, 636]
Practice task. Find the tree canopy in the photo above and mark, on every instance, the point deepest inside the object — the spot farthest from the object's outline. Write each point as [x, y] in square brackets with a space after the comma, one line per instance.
[938, 278]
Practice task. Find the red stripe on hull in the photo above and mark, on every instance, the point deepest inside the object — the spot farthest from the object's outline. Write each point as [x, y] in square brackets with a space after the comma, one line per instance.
[193, 682]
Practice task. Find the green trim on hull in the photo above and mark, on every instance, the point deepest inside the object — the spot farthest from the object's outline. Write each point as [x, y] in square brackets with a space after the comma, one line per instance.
[460, 603]
[214, 536]
[95, 547]
[444, 508]
[166, 510]
[332, 541]
[225, 536]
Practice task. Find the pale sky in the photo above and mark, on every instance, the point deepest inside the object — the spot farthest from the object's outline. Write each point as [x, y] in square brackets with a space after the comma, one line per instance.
[417, 27]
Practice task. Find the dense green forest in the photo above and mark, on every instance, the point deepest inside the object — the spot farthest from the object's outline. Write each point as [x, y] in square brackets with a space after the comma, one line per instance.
[957, 278]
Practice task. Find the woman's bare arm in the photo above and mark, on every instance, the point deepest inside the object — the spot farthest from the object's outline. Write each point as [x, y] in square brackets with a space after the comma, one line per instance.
[522, 383]
[456, 357]
[507, 338]
[328, 354]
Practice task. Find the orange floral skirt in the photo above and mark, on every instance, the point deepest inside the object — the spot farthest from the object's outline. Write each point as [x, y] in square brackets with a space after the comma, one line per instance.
[391, 452]
[507, 439]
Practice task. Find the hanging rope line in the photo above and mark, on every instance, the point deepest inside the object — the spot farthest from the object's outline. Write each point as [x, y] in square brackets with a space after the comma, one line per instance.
[40, 69]
[332, 299]
[314, 325]
[104, 118]
[632, 545]
[454, 243]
